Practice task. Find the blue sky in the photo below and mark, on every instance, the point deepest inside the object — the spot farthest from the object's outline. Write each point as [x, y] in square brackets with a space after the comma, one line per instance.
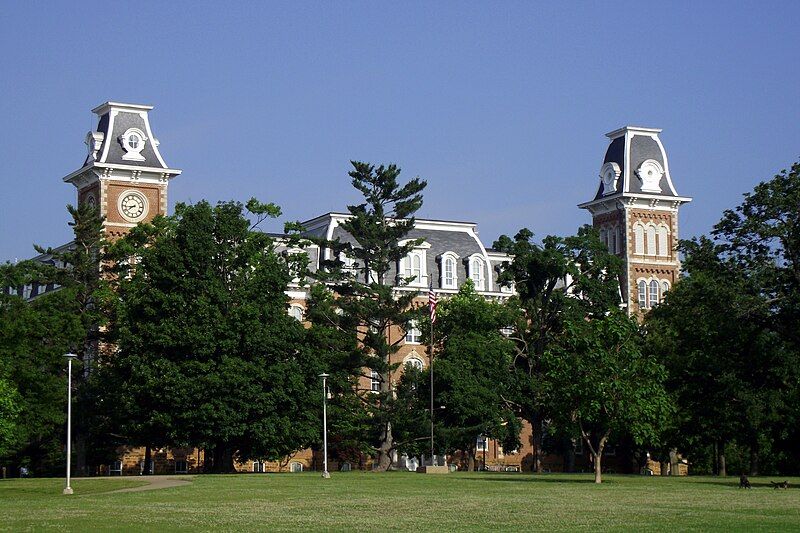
[501, 106]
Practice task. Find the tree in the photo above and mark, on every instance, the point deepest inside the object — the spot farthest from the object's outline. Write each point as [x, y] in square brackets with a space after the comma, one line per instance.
[763, 235]
[207, 353]
[472, 361]
[557, 281]
[600, 382]
[365, 290]
[732, 377]
[35, 335]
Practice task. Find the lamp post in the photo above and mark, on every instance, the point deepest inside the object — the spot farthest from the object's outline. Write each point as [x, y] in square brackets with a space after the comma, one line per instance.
[70, 357]
[325, 473]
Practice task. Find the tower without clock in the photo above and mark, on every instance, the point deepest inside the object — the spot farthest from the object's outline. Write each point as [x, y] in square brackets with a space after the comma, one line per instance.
[636, 211]
[123, 173]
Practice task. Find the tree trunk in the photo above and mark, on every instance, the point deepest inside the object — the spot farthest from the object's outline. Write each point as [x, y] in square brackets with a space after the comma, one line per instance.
[673, 462]
[471, 460]
[598, 468]
[723, 471]
[385, 449]
[537, 428]
[754, 460]
[665, 470]
[148, 456]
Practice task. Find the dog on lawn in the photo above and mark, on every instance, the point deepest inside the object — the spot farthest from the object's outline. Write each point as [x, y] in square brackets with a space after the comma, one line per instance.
[744, 483]
[780, 484]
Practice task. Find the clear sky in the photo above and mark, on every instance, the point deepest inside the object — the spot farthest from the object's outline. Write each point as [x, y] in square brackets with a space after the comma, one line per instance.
[501, 106]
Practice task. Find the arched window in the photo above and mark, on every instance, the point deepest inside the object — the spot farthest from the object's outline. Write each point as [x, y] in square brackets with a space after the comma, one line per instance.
[664, 288]
[415, 361]
[663, 246]
[604, 237]
[449, 279]
[642, 294]
[296, 312]
[476, 272]
[413, 265]
[651, 240]
[638, 234]
[654, 293]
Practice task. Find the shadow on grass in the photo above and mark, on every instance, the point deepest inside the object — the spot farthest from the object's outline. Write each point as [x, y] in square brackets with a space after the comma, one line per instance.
[531, 478]
[758, 484]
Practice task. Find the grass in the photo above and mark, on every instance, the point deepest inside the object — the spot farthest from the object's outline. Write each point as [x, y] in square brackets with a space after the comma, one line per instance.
[403, 501]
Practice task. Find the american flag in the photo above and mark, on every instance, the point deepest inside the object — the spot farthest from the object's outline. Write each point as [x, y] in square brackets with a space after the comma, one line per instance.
[432, 300]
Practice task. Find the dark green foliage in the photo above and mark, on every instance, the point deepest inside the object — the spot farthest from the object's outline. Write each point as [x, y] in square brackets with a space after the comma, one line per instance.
[208, 355]
[558, 281]
[471, 381]
[368, 302]
[35, 336]
[599, 383]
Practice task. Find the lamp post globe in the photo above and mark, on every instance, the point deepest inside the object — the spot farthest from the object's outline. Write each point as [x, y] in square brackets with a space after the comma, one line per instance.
[70, 357]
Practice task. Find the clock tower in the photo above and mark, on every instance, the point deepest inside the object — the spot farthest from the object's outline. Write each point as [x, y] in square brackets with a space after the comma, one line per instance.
[635, 209]
[123, 173]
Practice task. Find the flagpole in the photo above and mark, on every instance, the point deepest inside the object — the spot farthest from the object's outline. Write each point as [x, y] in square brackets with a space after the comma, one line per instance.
[430, 357]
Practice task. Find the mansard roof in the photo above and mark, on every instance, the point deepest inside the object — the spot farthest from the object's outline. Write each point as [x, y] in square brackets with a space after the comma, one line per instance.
[108, 147]
[635, 154]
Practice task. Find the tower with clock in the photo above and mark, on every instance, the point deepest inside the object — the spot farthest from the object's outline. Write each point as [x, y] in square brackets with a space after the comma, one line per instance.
[123, 173]
[635, 210]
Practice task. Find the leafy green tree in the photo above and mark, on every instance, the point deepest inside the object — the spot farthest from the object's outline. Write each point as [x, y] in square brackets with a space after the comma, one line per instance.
[366, 291]
[557, 281]
[9, 415]
[471, 368]
[34, 337]
[601, 383]
[732, 374]
[207, 353]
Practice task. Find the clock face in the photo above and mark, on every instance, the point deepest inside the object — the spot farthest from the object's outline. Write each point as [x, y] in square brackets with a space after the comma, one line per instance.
[133, 205]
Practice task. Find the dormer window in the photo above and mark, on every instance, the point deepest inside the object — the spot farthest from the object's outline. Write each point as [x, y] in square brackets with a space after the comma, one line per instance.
[413, 266]
[477, 272]
[133, 141]
[449, 274]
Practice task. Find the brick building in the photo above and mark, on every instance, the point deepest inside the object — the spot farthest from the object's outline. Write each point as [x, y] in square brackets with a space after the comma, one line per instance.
[635, 209]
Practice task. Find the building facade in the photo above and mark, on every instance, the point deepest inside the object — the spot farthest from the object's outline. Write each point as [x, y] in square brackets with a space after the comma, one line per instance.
[635, 209]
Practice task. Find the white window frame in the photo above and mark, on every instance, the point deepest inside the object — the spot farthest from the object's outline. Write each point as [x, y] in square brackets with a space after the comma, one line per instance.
[477, 265]
[297, 312]
[413, 333]
[652, 239]
[641, 286]
[407, 266]
[414, 360]
[449, 258]
[482, 444]
[296, 467]
[662, 234]
[638, 234]
[653, 296]
[375, 381]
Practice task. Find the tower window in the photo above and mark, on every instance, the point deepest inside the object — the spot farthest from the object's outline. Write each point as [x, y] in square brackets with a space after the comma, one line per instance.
[642, 294]
[651, 240]
[638, 234]
[413, 334]
[654, 293]
[375, 381]
[663, 247]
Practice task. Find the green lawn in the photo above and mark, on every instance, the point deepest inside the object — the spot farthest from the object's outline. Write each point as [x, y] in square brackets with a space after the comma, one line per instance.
[370, 501]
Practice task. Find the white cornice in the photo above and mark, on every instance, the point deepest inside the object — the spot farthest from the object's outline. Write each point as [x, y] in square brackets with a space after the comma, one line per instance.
[106, 106]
